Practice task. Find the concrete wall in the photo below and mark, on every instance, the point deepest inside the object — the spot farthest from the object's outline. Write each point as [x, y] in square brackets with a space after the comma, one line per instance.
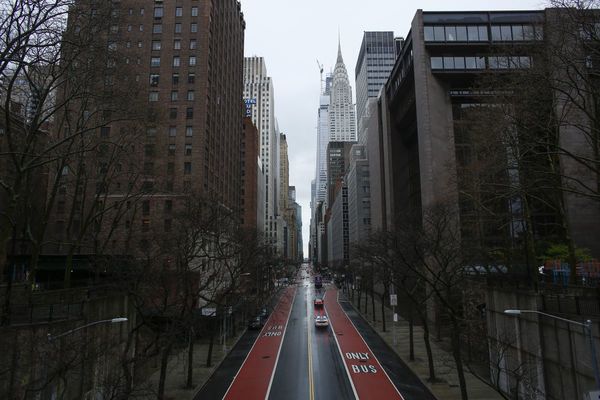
[551, 358]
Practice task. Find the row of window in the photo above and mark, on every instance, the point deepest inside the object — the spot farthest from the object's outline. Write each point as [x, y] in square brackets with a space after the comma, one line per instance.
[157, 44]
[159, 12]
[480, 33]
[480, 62]
[192, 60]
[172, 131]
[153, 96]
[155, 79]
[158, 28]
[187, 166]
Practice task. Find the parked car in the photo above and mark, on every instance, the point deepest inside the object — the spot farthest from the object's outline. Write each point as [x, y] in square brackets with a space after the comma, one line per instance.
[257, 322]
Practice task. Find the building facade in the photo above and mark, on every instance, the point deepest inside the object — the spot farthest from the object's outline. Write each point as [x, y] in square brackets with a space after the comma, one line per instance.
[258, 87]
[375, 62]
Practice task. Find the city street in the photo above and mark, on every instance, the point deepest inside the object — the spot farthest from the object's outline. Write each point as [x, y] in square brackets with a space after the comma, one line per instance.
[291, 358]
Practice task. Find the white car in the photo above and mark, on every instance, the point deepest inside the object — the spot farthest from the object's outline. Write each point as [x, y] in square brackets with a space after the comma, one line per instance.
[321, 320]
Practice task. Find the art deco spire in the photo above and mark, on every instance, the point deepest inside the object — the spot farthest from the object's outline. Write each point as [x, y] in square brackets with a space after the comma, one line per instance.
[340, 60]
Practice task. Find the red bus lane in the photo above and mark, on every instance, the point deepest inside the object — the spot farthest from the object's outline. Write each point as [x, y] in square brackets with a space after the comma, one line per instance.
[368, 378]
[253, 380]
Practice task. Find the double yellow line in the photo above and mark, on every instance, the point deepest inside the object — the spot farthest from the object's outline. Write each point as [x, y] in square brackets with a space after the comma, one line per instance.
[311, 384]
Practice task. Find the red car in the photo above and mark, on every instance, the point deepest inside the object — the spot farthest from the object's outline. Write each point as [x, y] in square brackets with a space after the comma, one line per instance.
[318, 303]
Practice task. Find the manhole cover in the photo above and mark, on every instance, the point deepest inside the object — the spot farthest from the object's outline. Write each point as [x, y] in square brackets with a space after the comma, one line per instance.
[266, 356]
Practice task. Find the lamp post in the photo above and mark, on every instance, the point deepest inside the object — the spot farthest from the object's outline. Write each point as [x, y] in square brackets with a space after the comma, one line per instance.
[587, 326]
[115, 320]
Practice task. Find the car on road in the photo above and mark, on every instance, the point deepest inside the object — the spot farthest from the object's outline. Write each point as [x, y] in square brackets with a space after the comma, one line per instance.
[321, 321]
[256, 323]
[318, 302]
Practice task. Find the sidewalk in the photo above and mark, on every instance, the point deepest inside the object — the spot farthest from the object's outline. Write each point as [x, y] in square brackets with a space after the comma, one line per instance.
[447, 387]
[177, 369]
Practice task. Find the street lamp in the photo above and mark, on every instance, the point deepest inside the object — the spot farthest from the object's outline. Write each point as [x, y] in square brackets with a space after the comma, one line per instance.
[115, 320]
[587, 326]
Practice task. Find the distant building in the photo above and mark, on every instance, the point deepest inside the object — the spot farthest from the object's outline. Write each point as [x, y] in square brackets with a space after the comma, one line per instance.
[375, 62]
[250, 171]
[258, 88]
[359, 197]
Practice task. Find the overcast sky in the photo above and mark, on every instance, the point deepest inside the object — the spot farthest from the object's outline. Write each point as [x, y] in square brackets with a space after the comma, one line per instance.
[291, 35]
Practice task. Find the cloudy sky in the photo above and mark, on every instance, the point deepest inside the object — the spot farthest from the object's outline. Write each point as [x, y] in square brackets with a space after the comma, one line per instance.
[292, 35]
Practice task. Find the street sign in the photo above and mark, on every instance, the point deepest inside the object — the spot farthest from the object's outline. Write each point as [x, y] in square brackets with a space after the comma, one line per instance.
[593, 395]
[395, 317]
[393, 300]
[209, 311]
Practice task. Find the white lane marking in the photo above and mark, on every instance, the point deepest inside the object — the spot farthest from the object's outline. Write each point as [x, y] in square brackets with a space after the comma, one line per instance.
[373, 354]
[281, 344]
[340, 349]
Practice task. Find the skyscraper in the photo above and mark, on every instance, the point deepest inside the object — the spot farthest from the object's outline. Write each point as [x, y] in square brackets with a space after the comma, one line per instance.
[375, 62]
[183, 64]
[342, 114]
[258, 89]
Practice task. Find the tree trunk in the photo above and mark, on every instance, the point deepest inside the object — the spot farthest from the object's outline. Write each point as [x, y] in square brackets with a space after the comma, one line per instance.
[164, 361]
[10, 264]
[456, 353]
[190, 366]
[411, 338]
[210, 345]
[373, 301]
[383, 297]
[428, 348]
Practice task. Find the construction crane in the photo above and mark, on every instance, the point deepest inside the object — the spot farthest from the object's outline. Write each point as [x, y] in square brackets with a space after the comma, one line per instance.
[321, 72]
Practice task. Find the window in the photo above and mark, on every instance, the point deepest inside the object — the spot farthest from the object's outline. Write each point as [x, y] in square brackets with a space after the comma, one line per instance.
[187, 168]
[114, 28]
[174, 95]
[176, 61]
[190, 95]
[192, 61]
[171, 149]
[189, 131]
[151, 132]
[170, 168]
[104, 131]
[193, 27]
[169, 186]
[178, 11]
[194, 11]
[483, 33]
[191, 77]
[158, 12]
[461, 33]
[172, 113]
[175, 79]
[506, 32]
[168, 206]
[172, 131]
[188, 149]
[157, 28]
[177, 44]
[154, 78]
[156, 45]
[178, 28]
[149, 150]
[141, 11]
[145, 225]
[437, 63]
[155, 62]
[193, 44]
[141, 28]
[148, 168]
[438, 33]
[517, 32]
[472, 33]
[189, 113]
[146, 207]
[153, 96]
[450, 33]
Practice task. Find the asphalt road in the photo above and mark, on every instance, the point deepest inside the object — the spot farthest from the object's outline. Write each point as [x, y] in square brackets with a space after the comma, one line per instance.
[309, 365]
